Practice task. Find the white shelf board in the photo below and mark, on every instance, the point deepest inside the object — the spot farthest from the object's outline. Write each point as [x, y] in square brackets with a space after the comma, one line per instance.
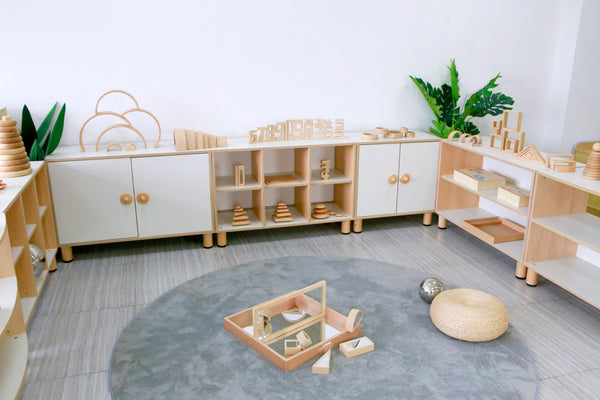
[583, 228]
[512, 249]
[30, 230]
[572, 274]
[16, 253]
[297, 217]
[43, 211]
[13, 363]
[335, 176]
[8, 298]
[299, 182]
[227, 183]
[225, 217]
[575, 179]
[332, 218]
[14, 186]
[491, 195]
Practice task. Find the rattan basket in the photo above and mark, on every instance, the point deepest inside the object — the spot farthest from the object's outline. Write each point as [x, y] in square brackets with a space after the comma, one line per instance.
[469, 314]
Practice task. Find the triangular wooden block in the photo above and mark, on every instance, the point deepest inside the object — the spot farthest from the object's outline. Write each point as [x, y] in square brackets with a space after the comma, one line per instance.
[530, 153]
[322, 366]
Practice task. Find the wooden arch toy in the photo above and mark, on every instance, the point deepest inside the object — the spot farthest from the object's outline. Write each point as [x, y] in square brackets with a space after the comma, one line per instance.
[119, 126]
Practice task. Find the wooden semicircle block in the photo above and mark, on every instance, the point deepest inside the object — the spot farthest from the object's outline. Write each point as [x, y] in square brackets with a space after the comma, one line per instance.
[531, 154]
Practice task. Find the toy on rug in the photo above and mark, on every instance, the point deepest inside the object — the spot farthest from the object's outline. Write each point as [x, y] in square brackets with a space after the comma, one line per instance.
[429, 288]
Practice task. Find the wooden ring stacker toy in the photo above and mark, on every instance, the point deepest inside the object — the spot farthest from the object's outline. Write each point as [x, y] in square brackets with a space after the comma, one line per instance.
[120, 126]
[16, 173]
[9, 140]
[153, 117]
[11, 146]
[452, 135]
[13, 157]
[116, 91]
[114, 114]
[21, 161]
[7, 122]
[351, 322]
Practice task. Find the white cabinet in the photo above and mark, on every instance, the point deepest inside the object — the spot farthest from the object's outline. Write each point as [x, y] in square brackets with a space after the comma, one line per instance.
[397, 178]
[112, 199]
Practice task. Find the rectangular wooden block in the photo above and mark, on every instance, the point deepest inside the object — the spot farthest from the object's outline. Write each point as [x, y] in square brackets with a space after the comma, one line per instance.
[212, 141]
[240, 175]
[514, 195]
[352, 349]
[3, 112]
[221, 141]
[190, 140]
[199, 140]
[478, 179]
[179, 137]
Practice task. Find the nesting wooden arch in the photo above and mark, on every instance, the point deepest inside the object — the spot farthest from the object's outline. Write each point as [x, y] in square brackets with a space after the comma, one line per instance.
[126, 125]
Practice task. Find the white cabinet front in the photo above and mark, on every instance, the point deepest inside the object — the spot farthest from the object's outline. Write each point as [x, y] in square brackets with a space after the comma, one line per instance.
[87, 200]
[377, 175]
[172, 194]
[417, 177]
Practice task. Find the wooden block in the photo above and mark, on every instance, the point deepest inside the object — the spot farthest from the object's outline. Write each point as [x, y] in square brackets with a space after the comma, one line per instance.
[240, 217]
[199, 140]
[531, 154]
[130, 147]
[563, 157]
[563, 166]
[474, 141]
[240, 174]
[282, 214]
[369, 136]
[212, 141]
[462, 137]
[240, 223]
[282, 219]
[221, 141]
[339, 129]
[514, 195]
[320, 215]
[204, 140]
[3, 112]
[505, 115]
[190, 140]
[309, 129]
[452, 135]
[381, 130]
[511, 146]
[325, 169]
[322, 366]
[291, 347]
[356, 347]
[501, 138]
[410, 134]
[280, 179]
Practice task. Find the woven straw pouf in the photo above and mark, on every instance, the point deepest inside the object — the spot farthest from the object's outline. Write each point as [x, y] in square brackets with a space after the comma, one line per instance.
[469, 314]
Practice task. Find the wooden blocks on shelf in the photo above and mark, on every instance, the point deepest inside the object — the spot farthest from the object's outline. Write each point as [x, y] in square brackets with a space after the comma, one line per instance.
[282, 213]
[240, 174]
[13, 157]
[501, 132]
[531, 154]
[514, 195]
[356, 347]
[561, 162]
[280, 179]
[592, 167]
[325, 169]
[240, 217]
[186, 139]
[320, 212]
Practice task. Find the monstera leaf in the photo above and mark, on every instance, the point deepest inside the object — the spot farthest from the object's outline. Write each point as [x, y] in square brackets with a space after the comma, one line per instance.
[42, 141]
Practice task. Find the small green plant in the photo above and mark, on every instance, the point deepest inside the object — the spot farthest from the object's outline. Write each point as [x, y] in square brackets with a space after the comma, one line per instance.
[450, 116]
[42, 141]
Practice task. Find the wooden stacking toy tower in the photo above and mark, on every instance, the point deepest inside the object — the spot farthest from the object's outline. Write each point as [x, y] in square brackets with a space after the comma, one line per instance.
[13, 157]
[592, 168]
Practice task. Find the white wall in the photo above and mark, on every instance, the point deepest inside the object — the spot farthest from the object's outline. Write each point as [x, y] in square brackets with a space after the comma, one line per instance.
[581, 121]
[229, 66]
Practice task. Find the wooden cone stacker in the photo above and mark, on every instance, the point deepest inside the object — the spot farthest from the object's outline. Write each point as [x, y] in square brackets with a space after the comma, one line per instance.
[592, 167]
[13, 157]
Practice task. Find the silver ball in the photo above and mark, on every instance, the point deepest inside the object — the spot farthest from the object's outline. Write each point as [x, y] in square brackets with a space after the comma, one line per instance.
[37, 254]
[430, 288]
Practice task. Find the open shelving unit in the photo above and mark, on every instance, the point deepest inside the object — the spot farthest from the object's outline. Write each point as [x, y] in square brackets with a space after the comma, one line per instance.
[26, 218]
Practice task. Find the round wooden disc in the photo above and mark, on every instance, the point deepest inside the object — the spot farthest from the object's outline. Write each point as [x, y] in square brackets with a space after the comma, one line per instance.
[320, 216]
[8, 129]
[20, 161]
[15, 173]
[10, 135]
[9, 140]
[4, 123]
[10, 146]
[13, 156]
[13, 168]
[20, 150]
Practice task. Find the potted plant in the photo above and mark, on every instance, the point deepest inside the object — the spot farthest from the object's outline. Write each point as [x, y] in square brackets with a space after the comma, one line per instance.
[450, 116]
[42, 141]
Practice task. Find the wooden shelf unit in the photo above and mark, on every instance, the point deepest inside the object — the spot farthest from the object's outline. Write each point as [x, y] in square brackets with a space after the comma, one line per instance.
[26, 218]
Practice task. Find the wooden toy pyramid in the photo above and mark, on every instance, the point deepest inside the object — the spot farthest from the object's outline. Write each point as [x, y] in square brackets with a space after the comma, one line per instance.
[282, 213]
[13, 157]
[240, 217]
[531, 154]
[320, 211]
[592, 168]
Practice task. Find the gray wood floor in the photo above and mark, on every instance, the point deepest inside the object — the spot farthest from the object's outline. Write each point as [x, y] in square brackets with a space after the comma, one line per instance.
[87, 303]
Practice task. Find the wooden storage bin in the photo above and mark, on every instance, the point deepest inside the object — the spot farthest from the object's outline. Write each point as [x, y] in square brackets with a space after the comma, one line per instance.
[494, 230]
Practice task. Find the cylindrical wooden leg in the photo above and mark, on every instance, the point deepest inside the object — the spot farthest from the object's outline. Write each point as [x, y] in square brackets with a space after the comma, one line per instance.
[532, 278]
[441, 222]
[427, 219]
[346, 227]
[222, 239]
[521, 271]
[357, 225]
[66, 253]
[207, 240]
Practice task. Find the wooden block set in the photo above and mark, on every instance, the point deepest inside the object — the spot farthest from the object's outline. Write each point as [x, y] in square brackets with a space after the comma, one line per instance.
[471, 140]
[282, 213]
[388, 134]
[320, 211]
[502, 133]
[298, 129]
[13, 157]
[240, 217]
[194, 140]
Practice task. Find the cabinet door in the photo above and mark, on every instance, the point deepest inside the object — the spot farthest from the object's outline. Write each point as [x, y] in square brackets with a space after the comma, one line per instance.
[376, 163]
[86, 196]
[178, 189]
[419, 161]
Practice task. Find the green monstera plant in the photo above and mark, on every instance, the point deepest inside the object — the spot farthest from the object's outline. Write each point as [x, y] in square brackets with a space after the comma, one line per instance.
[450, 116]
[42, 141]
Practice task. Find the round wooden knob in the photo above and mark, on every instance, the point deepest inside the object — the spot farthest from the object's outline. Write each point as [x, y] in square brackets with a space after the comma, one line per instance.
[392, 179]
[143, 198]
[126, 199]
[405, 178]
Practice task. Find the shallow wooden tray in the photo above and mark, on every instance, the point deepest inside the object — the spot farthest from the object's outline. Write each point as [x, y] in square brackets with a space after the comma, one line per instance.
[494, 229]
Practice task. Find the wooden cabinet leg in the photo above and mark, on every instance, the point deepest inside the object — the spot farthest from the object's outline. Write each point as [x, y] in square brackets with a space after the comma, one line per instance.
[207, 240]
[441, 222]
[427, 217]
[521, 271]
[222, 239]
[66, 253]
[346, 227]
[532, 278]
[357, 225]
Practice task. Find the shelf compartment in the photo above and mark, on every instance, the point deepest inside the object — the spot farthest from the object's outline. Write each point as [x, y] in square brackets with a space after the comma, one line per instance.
[494, 230]
[298, 218]
[13, 363]
[582, 228]
[335, 176]
[225, 217]
[227, 183]
[332, 218]
[8, 298]
[491, 195]
[287, 179]
[573, 274]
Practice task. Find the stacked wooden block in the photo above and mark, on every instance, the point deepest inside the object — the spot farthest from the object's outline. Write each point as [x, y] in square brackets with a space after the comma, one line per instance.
[282, 213]
[193, 140]
[13, 157]
[592, 167]
[320, 211]
[240, 217]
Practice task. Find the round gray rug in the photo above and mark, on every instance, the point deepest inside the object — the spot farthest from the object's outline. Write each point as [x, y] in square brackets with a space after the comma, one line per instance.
[177, 348]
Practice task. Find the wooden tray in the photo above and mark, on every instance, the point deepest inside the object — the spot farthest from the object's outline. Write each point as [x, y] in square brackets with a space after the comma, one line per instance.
[494, 229]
